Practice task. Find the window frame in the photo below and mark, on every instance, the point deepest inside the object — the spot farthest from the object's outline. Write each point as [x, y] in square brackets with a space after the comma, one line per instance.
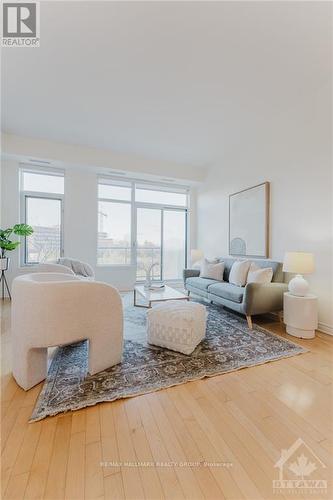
[122, 202]
[40, 195]
[160, 188]
[133, 183]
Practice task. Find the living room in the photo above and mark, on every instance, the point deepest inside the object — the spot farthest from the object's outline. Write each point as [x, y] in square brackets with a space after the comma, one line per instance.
[166, 250]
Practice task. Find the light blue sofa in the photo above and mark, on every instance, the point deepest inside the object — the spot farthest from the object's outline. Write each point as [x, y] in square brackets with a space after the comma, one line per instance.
[252, 299]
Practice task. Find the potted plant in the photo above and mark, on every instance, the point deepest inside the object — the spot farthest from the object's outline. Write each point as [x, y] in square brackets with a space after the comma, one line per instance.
[6, 244]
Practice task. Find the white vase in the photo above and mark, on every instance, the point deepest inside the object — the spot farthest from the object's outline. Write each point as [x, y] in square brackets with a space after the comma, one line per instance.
[147, 283]
[4, 263]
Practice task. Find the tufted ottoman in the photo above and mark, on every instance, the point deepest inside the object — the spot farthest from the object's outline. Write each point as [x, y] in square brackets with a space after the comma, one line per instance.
[177, 325]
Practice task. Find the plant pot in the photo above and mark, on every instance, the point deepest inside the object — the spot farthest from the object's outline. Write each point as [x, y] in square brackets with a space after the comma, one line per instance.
[4, 263]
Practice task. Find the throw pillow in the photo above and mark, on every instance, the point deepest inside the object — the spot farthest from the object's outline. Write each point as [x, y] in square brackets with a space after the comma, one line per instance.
[258, 274]
[238, 272]
[211, 270]
[198, 265]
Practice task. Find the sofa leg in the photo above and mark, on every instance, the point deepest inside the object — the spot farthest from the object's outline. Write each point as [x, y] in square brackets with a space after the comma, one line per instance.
[249, 322]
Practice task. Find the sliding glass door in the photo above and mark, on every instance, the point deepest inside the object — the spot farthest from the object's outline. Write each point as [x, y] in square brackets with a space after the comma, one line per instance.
[141, 224]
[148, 242]
[173, 243]
[160, 240]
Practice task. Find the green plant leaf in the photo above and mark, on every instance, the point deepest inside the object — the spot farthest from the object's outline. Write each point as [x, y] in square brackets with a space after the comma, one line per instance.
[7, 232]
[23, 229]
[9, 245]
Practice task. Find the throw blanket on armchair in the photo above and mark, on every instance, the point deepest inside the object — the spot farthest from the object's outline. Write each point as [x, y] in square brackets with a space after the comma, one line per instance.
[78, 267]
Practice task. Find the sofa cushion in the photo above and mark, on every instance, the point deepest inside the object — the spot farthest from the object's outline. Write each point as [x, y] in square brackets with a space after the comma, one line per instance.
[201, 283]
[211, 270]
[227, 291]
[262, 263]
[259, 275]
[238, 272]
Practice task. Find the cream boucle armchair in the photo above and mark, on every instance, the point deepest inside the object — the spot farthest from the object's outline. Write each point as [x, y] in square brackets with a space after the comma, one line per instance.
[52, 309]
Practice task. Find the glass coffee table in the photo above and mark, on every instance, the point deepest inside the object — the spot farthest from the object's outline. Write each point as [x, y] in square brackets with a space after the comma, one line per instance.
[157, 295]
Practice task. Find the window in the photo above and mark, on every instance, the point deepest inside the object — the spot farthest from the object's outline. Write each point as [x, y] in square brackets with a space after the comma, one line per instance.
[114, 192]
[42, 182]
[174, 243]
[148, 242]
[114, 223]
[42, 195]
[161, 215]
[160, 195]
[142, 224]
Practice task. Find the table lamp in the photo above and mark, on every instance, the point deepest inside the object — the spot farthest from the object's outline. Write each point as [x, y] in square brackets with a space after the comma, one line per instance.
[196, 255]
[298, 263]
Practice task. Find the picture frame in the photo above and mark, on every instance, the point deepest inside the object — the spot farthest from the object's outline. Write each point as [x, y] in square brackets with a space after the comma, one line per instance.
[249, 214]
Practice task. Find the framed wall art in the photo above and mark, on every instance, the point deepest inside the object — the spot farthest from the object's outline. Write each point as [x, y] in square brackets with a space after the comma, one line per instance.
[249, 221]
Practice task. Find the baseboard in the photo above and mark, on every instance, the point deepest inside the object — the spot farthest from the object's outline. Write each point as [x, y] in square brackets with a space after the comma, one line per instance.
[323, 327]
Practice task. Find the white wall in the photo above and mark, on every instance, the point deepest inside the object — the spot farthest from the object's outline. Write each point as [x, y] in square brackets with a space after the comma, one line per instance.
[92, 158]
[292, 150]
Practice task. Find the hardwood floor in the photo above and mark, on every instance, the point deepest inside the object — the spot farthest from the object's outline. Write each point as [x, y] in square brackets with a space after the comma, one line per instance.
[242, 419]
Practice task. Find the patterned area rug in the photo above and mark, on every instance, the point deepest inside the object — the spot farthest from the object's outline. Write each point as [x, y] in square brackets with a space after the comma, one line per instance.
[229, 345]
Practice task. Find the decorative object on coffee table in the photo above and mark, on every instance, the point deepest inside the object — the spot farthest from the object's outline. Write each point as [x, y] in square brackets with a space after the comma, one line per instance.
[299, 263]
[179, 326]
[249, 222]
[7, 245]
[157, 295]
[148, 270]
[300, 314]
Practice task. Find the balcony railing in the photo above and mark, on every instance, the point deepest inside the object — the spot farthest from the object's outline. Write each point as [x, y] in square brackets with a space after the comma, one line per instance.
[114, 255]
[146, 256]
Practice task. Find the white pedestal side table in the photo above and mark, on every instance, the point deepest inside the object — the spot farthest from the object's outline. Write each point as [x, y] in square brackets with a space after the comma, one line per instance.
[300, 314]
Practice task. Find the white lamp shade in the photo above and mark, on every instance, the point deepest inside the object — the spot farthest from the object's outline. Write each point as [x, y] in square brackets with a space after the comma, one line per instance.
[298, 262]
[196, 255]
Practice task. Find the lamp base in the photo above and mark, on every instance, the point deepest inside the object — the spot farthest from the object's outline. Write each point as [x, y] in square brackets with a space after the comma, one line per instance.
[298, 286]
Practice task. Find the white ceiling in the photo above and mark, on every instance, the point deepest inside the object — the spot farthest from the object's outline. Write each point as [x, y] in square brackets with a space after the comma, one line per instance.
[178, 81]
